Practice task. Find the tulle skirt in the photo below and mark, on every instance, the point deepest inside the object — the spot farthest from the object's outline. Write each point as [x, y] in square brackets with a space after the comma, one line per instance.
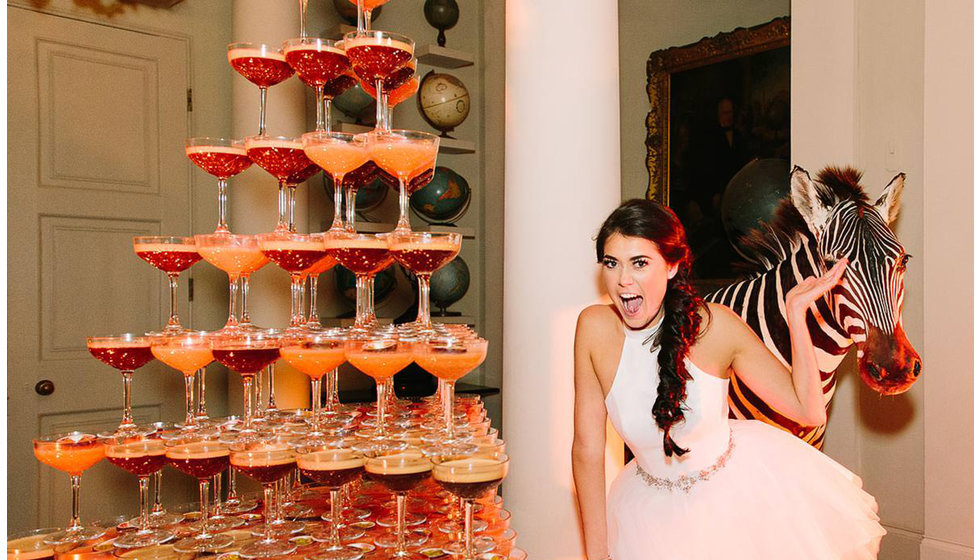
[776, 497]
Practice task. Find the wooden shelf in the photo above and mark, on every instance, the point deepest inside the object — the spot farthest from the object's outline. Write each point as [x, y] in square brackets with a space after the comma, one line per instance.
[380, 227]
[441, 57]
[446, 145]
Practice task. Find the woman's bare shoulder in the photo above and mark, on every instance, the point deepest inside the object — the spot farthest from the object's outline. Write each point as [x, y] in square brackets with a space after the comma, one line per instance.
[597, 318]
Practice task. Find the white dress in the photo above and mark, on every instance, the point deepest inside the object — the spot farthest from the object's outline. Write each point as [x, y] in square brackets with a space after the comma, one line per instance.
[745, 490]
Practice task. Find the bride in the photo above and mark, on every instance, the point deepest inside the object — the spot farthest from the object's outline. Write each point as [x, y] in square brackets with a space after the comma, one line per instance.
[657, 362]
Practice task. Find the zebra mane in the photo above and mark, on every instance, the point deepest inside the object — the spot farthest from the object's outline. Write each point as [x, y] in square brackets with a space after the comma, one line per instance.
[774, 242]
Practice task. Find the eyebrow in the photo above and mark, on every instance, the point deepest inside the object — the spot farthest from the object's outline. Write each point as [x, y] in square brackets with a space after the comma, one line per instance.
[633, 258]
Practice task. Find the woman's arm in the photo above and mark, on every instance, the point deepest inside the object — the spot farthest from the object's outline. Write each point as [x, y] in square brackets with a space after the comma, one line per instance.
[588, 447]
[798, 393]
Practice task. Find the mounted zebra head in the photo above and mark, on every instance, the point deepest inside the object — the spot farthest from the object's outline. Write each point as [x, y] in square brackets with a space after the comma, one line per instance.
[868, 302]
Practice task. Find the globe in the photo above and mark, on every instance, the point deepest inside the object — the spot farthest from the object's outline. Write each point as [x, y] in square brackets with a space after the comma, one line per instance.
[444, 200]
[441, 14]
[443, 101]
[752, 196]
[449, 284]
[366, 198]
[384, 284]
[347, 10]
[355, 103]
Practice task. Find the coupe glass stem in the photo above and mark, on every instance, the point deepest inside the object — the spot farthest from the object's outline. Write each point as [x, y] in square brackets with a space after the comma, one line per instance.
[468, 530]
[189, 421]
[332, 397]
[268, 492]
[291, 206]
[315, 398]
[400, 549]
[338, 202]
[367, 19]
[424, 319]
[246, 319]
[351, 207]
[369, 296]
[127, 419]
[271, 371]
[222, 206]
[296, 301]
[361, 313]
[144, 523]
[262, 96]
[204, 490]
[247, 403]
[403, 223]
[215, 494]
[174, 322]
[232, 301]
[335, 507]
[202, 403]
[382, 407]
[259, 381]
[281, 225]
[302, 19]
[312, 318]
[449, 395]
[320, 124]
[326, 114]
[157, 483]
[381, 112]
[360, 17]
[232, 492]
[76, 485]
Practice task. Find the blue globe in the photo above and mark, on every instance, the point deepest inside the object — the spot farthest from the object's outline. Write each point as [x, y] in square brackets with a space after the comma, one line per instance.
[355, 103]
[444, 200]
[449, 284]
[384, 284]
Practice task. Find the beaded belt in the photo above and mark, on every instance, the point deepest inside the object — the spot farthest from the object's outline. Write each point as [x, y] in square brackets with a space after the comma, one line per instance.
[687, 481]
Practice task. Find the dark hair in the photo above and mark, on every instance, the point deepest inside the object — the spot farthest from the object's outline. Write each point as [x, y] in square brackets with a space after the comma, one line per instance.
[682, 322]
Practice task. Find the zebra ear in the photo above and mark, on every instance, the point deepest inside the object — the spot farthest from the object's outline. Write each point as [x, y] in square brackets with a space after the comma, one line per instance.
[890, 201]
[811, 198]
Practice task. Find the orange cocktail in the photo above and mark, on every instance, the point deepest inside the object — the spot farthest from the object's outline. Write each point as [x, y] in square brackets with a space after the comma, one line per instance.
[71, 453]
[315, 354]
[381, 357]
[238, 256]
[338, 153]
[404, 154]
[186, 352]
[449, 359]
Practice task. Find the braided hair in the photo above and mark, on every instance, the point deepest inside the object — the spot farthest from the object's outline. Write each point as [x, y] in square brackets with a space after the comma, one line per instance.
[682, 321]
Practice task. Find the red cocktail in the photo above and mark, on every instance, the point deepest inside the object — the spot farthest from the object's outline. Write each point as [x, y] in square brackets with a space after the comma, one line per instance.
[294, 253]
[423, 253]
[374, 56]
[126, 353]
[267, 460]
[316, 62]
[365, 255]
[284, 159]
[142, 455]
[223, 159]
[171, 255]
[202, 456]
[247, 352]
[263, 65]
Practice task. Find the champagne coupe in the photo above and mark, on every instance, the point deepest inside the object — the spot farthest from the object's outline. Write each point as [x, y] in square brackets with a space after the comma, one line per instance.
[247, 352]
[313, 275]
[127, 353]
[201, 455]
[160, 517]
[171, 255]
[332, 467]
[284, 159]
[365, 255]
[316, 62]
[423, 253]
[315, 354]
[187, 353]
[223, 159]
[238, 256]
[142, 455]
[266, 459]
[72, 453]
[399, 472]
[338, 153]
[470, 477]
[364, 8]
[375, 55]
[295, 253]
[302, 18]
[380, 356]
[405, 154]
[335, 87]
[263, 65]
[450, 359]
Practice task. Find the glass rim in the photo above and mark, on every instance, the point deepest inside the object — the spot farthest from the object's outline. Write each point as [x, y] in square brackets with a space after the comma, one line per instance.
[221, 141]
[56, 437]
[499, 458]
[162, 239]
[118, 337]
[422, 235]
[236, 237]
[289, 236]
[318, 41]
[336, 134]
[253, 45]
[381, 35]
[403, 133]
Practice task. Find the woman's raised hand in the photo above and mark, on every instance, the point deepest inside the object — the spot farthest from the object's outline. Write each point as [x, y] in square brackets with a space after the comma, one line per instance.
[799, 298]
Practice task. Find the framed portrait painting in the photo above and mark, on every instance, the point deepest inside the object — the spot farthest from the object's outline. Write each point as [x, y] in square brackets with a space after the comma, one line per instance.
[715, 106]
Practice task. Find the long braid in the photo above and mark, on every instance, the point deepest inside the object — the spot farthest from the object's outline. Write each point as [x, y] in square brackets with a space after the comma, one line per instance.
[680, 328]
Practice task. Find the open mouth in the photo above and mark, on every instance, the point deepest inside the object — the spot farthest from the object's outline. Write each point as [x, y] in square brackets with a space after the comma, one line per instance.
[631, 303]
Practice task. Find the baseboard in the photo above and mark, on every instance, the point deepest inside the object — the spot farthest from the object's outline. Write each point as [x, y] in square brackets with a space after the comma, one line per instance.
[900, 544]
[933, 549]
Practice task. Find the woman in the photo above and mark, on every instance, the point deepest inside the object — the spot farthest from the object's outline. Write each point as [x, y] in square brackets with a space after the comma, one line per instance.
[657, 361]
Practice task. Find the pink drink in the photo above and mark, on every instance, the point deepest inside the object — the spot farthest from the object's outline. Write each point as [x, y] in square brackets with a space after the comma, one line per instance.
[168, 257]
[142, 458]
[316, 64]
[184, 358]
[246, 361]
[375, 59]
[220, 161]
[423, 258]
[294, 256]
[126, 356]
[262, 68]
[234, 260]
[404, 158]
[336, 156]
[281, 158]
[361, 256]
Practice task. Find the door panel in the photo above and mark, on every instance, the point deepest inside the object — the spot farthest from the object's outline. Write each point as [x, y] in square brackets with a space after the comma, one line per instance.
[96, 122]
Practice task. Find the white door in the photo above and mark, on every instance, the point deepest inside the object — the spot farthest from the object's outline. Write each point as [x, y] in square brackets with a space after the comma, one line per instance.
[96, 122]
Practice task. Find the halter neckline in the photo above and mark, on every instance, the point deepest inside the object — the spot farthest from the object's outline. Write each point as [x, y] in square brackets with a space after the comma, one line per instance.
[645, 332]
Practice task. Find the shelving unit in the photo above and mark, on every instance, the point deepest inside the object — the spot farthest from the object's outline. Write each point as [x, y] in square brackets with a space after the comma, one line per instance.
[441, 57]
